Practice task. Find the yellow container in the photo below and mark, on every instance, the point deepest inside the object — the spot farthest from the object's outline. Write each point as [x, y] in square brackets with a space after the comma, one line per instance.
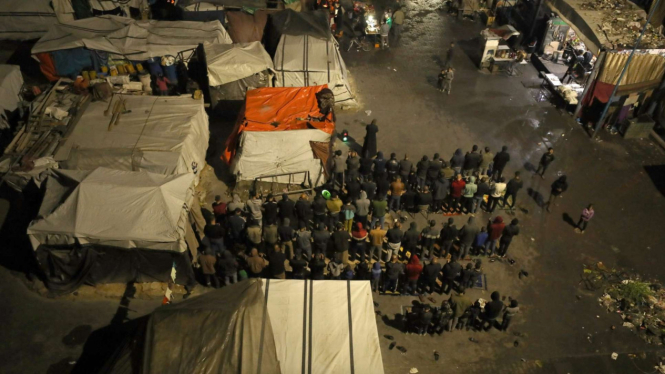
[93, 74]
[114, 71]
[130, 69]
[121, 69]
[139, 67]
[85, 74]
[105, 69]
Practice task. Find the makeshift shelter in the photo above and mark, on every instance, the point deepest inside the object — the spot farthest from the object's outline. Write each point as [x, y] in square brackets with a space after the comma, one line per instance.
[87, 43]
[25, 20]
[281, 131]
[233, 69]
[165, 135]
[246, 28]
[260, 327]
[108, 225]
[11, 82]
[308, 55]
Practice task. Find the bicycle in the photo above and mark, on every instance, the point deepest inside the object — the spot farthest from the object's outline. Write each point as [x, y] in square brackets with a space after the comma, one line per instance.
[360, 43]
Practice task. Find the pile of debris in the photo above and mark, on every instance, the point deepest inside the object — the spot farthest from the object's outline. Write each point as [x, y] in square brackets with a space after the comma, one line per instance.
[641, 306]
[621, 22]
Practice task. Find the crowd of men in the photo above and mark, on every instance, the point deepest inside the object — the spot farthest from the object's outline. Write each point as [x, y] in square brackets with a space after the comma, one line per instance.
[352, 229]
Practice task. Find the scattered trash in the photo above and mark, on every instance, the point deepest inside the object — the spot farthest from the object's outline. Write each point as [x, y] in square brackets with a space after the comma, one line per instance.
[615, 249]
[533, 240]
[413, 371]
[392, 345]
[524, 360]
[376, 304]
[539, 363]
[72, 362]
[368, 112]
[614, 355]
[578, 297]
[401, 349]
[516, 344]
[523, 273]
[473, 340]
[395, 69]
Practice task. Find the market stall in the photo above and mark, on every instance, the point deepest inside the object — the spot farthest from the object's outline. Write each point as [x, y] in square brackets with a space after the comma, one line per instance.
[496, 48]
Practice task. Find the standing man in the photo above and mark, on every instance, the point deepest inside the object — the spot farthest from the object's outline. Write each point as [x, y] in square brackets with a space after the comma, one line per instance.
[457, 161]
[392, 167]
[384, 31]
[470, 190]
[405, 168]
[377, 236]
[587, 214]
[339, 166]
[393, 271]
[430, 275]
[456, 191]
[362, 208]
[451, 271]
[334, 206]
[276, 263]
[398, 21]
[253, 207]
[287, 209]
[287, 237]
[379, 207]
[413, 271]
[482, 190]
[352, 166]
[304, 241]
[441, 188]
[488, 159]
[449, 234]
[303, 210]
[495, 230]
[500, 161]
[396, 192]
[545, 161]
[394, 236]
[472, 161]
[341, 240]
[448, 80]
[460, 304]
[467, 234]
[421, 172]
[369, 145]
[449, 56]
[411, 238]
[513, 186]
[508, 233]
[558, 187]
[498, 189]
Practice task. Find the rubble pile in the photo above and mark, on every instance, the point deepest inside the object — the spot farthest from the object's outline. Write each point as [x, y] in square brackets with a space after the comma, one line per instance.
[621, 22]
[641, 306]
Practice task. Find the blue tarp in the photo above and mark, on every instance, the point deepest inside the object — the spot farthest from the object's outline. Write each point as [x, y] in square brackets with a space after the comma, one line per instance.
[70, 62]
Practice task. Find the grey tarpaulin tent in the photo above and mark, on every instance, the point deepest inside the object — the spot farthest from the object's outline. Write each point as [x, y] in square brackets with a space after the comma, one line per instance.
[261, 327]
[233, 69]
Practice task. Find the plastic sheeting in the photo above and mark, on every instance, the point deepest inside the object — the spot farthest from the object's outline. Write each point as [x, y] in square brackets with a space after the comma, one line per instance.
[246, 28]
[134, 40]
[237, 90]
[232, 62]
[25, 20]
[115, 208]
[166, 135]
[302, 61]
[314, 24]
[11, 81]
[328, 326]
[261, 327]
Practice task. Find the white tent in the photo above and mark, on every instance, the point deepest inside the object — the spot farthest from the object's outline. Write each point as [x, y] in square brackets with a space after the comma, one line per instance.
[279, 152]
[135, 40]
[11, 81]
[303, 60]
[328, 327]
[25, 20]
[233, 69]
[162, 134]
[115, 208]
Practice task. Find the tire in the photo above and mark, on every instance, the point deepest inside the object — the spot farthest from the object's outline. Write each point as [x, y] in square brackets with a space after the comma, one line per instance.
[366, 46]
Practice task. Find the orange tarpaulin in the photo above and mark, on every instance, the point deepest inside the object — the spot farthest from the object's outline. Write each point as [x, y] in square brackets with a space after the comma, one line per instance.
[279, 109]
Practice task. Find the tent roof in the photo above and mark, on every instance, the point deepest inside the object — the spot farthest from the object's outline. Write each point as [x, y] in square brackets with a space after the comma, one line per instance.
[11, 81]
[25, 20]
[161, 134]
[135, 40]
[256, 4]
[232, 62]
[279, 109]
[109, 204]
[267, 327]
[290, 22]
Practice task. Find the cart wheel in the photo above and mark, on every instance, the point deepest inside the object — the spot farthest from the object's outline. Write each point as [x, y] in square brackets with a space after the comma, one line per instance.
[366, 46]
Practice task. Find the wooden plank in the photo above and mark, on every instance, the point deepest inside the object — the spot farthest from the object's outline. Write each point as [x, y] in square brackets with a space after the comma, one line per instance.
[15, 140]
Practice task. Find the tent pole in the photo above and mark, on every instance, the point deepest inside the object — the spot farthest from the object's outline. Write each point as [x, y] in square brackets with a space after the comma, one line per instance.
[623, 72]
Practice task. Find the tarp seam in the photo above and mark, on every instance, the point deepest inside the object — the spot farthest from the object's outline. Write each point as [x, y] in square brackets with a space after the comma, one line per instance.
[263, 327]
[348, 298]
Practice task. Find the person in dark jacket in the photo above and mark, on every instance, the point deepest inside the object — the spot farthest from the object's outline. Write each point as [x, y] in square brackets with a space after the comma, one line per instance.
[494, 230]
[320, 209]
[457, 161]
[229, 267]
[472, 161]
[451, 271]
[287, 209]
[338, 169]
[236, 227]
[369, 186]
[304, 240]
[370, 144]
[341, 240]
[410, 238]
[382, 186]
[303, 210]
[270, 210]
[482, 190]
[276, 263]
[394, 269]
[352, 165]
[424, 199]
[558, 187]
[298, 265]
[449, 234]
[376, 276]
[441, 188]
[380, 166]
[287, 237]
[508, 314]
[353, 189]
[365, 170]
[467, 235]
[545, 161]
[429, 236]
[207, 261]
[405, 168]
[320, 237]
[421, 172]
[392, 167]
[318, 266]
[467, 276]
[500, 161]
[513, 186]
[509, 232]
[434, 168]
[424, 320]
[493, 310]
[430, 274]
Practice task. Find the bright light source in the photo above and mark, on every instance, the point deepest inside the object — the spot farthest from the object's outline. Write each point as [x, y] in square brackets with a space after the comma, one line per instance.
[345, 135]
